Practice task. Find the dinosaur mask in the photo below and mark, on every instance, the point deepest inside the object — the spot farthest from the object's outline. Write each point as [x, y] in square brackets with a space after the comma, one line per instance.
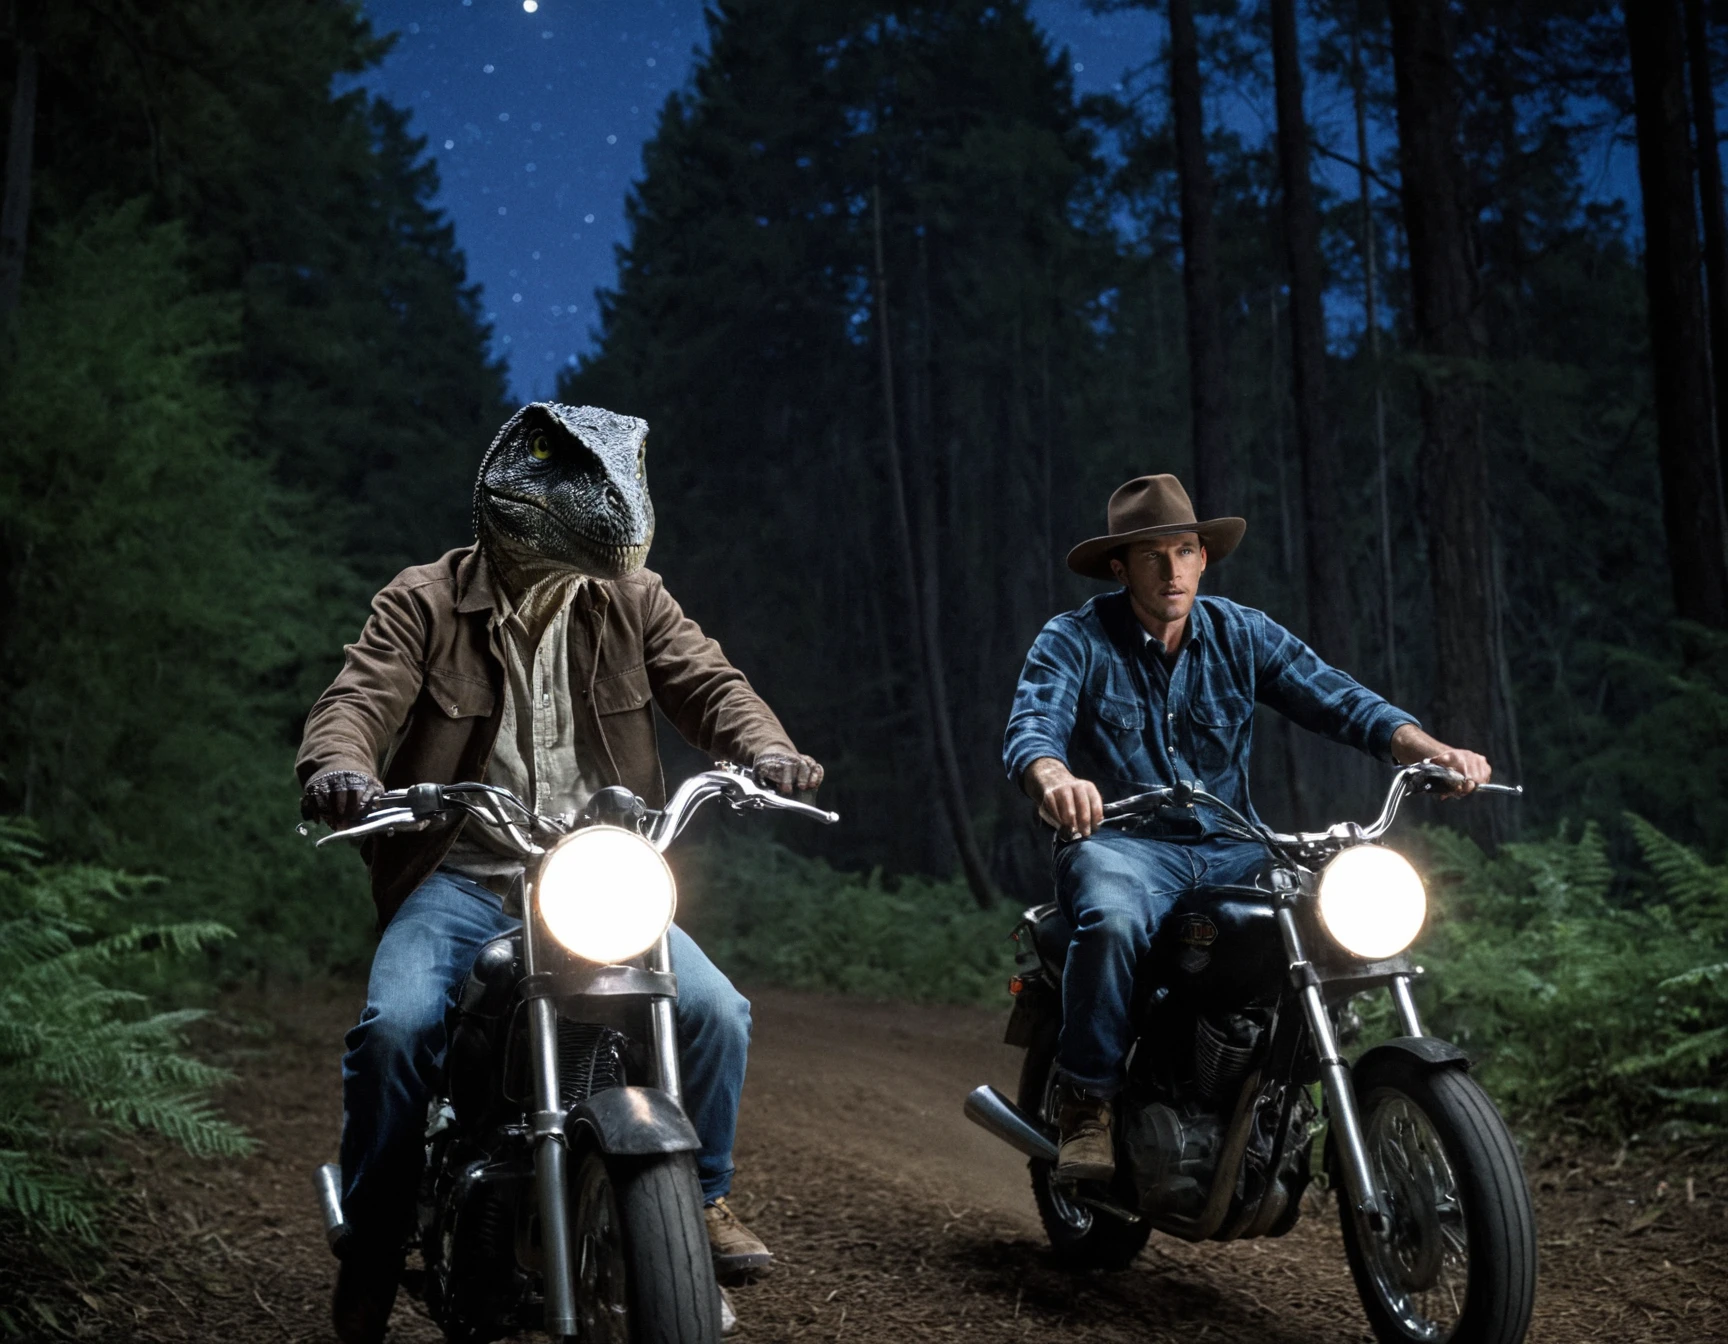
[568, 486]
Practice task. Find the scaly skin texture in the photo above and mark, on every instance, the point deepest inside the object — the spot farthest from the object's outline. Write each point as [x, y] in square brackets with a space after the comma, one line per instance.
[566, 487]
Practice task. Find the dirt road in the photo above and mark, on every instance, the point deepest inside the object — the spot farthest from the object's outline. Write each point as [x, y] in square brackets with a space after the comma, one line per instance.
[894, 1219]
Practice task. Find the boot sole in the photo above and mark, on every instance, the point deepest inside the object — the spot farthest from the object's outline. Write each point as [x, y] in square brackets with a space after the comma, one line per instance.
[743, 1263]
[1084, 1171]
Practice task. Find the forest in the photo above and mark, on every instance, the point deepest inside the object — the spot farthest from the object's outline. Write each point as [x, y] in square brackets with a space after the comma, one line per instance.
[902, 308]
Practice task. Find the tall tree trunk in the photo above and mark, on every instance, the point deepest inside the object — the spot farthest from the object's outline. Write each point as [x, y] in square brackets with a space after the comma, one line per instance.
[1328, 596]
[1214, 473]
[1297, 816]
[1715, 227]
[920, 611]
[1371, 316]
[1472, 703]
[1686, 449]
[15, 209]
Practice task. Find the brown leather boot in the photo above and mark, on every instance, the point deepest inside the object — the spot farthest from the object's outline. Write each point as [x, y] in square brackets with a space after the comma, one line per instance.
[1086, 1153]
[736, 1248]
[365, 1293]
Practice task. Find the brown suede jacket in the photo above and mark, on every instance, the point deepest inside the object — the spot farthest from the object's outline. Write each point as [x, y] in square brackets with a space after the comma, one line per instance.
[420, 696]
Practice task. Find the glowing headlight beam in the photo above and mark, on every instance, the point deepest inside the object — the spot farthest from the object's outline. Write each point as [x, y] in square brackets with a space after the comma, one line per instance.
[606, 894]
[1372, 902]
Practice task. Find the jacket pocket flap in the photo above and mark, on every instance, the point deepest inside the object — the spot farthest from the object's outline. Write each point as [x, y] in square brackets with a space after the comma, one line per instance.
[1121, 713]
[459, 697]
[1228, 712]
[622, 691]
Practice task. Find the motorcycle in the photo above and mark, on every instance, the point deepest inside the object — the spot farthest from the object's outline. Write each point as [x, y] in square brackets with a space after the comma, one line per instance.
[559, 1191]
[1239, 1010]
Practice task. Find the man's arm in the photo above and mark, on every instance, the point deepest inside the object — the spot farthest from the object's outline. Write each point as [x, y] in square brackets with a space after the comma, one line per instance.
[1294, 680]
[1410, 744]
[1298, 683]
[710, 702]
[353, 723]
[1035, 745]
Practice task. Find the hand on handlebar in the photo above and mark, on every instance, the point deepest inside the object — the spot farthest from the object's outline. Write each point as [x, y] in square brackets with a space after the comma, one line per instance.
[1065, 801]
[1468, 768]
[339, 798]
[788, 774]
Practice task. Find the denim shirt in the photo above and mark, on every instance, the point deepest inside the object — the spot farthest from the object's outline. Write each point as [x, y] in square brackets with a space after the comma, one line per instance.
[1097, 695]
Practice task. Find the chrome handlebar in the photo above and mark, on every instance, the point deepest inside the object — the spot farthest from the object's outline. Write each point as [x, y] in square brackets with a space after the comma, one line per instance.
[735, 784]
[1422, 777]
[415, 808]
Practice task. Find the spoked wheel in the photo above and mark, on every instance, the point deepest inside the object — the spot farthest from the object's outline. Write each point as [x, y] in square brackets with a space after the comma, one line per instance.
[643, 1269]
[1457, 1261]
[1080, 1236]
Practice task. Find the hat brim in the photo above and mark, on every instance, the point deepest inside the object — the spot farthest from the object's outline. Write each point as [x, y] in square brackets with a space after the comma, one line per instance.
[1220, 536]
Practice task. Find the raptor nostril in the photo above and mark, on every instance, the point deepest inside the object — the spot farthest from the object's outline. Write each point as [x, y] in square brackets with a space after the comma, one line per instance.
[615, 497]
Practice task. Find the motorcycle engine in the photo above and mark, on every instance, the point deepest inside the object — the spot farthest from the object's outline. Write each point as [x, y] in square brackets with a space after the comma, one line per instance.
[1172, 1153]
[1172, 1138]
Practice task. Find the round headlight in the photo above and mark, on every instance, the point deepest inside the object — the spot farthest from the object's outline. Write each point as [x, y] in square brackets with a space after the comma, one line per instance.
[1372, 902]
[606, 894]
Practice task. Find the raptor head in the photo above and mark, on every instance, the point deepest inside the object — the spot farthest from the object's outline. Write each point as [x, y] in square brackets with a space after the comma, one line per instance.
[568, 484]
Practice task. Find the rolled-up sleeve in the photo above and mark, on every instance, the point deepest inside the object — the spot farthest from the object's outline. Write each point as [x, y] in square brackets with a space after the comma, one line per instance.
[1042, 719]
[1298, 683]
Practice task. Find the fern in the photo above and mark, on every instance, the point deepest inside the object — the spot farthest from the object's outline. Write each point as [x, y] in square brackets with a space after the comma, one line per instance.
[70, 1043]
[1584, 992]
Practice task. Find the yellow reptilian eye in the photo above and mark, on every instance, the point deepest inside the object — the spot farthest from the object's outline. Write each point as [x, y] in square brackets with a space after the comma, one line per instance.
[538, 448]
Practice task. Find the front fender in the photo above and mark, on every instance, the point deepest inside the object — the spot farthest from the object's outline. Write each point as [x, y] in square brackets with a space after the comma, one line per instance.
[632, 1122]
[1430, 1051]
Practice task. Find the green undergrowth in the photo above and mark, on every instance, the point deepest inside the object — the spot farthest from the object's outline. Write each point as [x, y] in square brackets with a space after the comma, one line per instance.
[1594, 998]
[770, 916]
[83, 1059]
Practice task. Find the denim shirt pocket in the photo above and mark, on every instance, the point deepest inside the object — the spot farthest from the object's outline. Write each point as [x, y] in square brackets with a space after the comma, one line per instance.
[1122, 715]
[1220, 727]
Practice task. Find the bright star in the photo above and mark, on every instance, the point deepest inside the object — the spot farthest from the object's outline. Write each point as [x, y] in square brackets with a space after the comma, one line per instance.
[530, 5]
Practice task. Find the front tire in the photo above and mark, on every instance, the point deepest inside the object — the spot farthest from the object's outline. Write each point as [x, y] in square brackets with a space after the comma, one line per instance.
[1459, 1260]
[644, 1274]
[1080, 1237]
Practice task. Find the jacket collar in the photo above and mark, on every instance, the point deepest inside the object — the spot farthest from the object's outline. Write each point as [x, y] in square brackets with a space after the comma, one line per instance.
[476, 588]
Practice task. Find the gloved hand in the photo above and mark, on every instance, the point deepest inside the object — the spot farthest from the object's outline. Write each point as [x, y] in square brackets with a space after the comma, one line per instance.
[338, 798]
[788, 774]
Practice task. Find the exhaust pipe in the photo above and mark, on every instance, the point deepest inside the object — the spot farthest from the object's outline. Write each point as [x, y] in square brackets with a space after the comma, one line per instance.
[987, 1107]
[327, 1182]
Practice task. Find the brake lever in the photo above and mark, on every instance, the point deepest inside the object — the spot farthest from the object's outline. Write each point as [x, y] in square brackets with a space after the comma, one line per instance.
[390, 820]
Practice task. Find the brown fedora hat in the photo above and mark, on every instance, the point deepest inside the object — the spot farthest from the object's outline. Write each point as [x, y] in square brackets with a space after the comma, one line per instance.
[1152, 506]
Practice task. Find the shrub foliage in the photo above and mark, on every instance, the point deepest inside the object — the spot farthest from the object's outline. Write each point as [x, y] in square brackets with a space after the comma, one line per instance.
[80, 1058]
[1593, 997]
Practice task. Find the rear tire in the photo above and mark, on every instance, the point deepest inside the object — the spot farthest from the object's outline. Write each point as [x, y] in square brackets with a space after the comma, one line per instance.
[1080, 1237]
[1459, 1263]
[644, 1273]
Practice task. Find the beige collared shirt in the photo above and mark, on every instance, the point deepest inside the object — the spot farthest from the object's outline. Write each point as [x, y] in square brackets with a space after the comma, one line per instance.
[541, 755]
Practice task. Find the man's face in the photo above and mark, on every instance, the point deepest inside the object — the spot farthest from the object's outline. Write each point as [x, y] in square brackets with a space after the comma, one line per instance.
[1163, 574]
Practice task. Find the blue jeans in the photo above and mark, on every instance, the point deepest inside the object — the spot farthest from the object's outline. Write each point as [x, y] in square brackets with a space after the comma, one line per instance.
[396, 1050]
[1116, 887]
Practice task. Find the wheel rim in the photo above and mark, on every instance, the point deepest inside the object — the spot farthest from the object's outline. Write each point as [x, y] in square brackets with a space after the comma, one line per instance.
[1421, 1265]
[602, 1293]
[1077, 1218]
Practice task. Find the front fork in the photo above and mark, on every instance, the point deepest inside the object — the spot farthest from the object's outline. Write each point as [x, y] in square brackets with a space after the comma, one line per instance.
[1335, 1079]
[552, 1153]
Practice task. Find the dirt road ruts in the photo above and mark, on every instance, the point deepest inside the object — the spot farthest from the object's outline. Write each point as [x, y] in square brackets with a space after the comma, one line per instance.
[894, 1219]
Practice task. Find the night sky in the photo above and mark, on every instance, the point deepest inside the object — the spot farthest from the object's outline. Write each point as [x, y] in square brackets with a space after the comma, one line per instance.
[536, 111]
